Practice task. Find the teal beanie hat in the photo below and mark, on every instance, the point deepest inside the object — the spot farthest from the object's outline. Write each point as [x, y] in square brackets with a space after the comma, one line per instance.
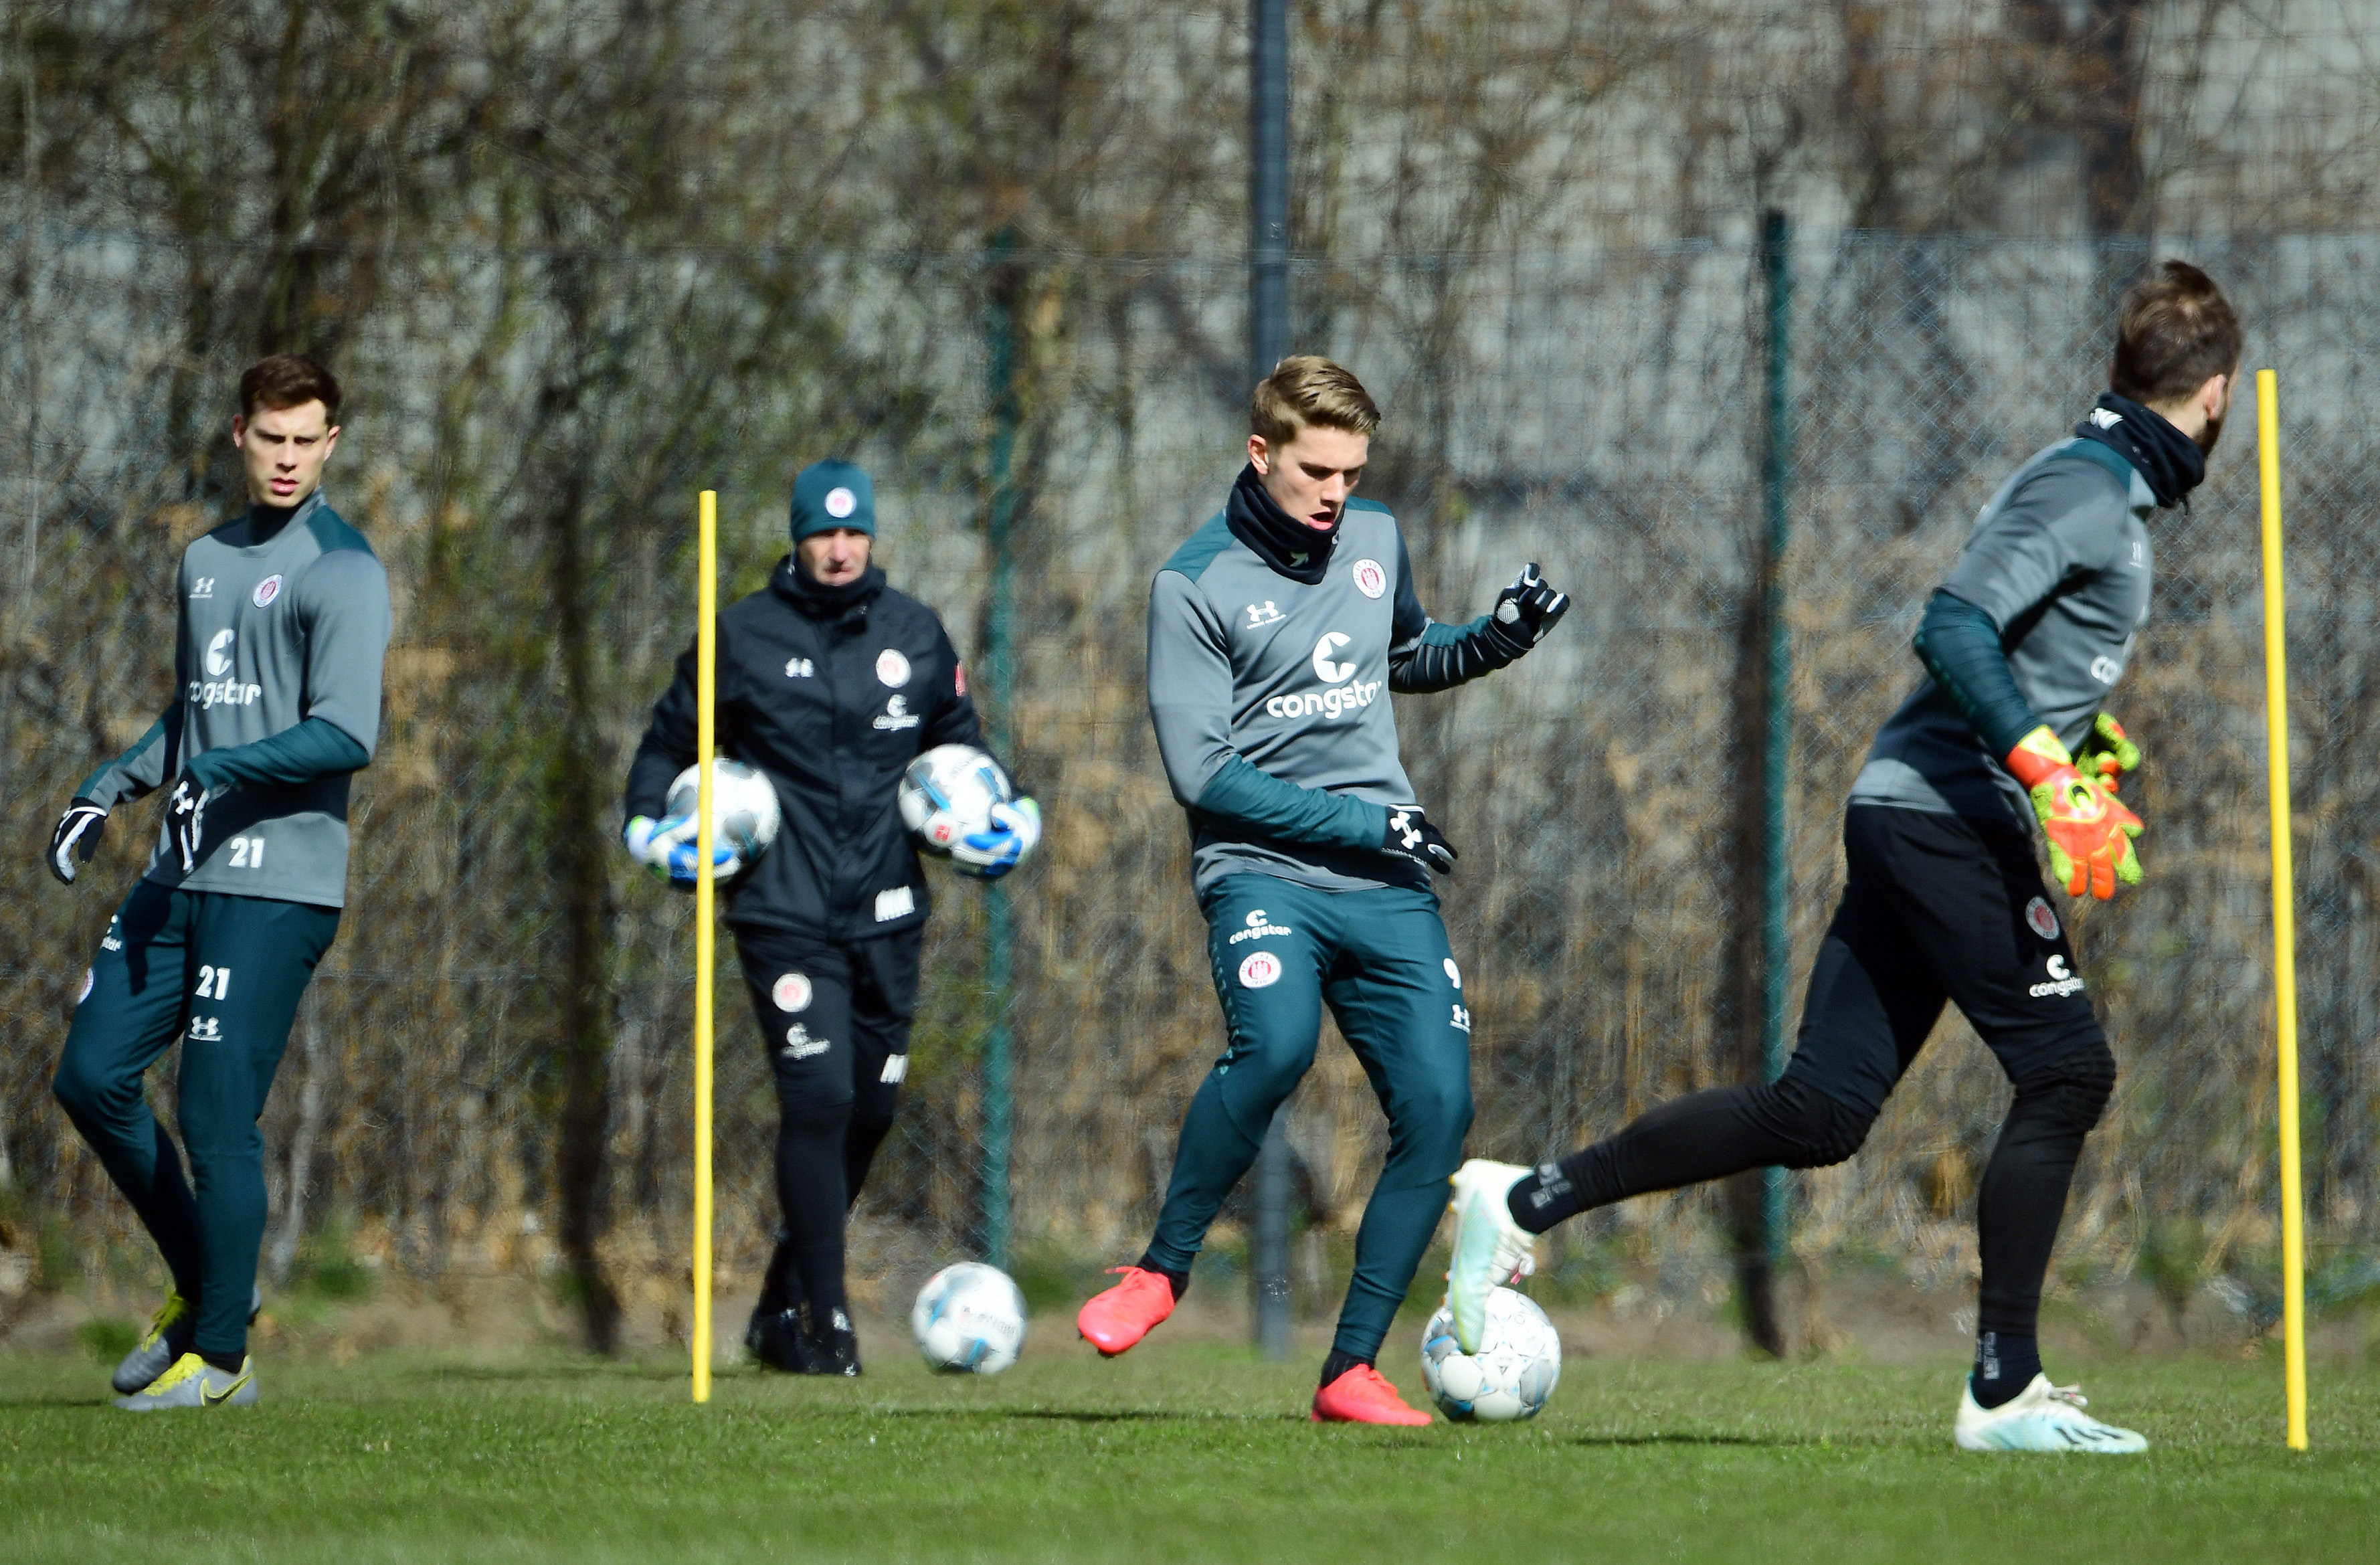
[833, 494]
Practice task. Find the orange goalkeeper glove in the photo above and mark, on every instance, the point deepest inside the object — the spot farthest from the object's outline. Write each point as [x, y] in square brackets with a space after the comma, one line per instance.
[2090, 830]
[2107, 752]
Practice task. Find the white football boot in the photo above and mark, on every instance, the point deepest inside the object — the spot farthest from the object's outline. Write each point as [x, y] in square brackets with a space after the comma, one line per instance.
[1490, 1249]
[2042, 1417]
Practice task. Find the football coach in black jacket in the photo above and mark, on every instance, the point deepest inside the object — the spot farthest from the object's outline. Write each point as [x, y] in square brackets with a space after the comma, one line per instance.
[830, 683]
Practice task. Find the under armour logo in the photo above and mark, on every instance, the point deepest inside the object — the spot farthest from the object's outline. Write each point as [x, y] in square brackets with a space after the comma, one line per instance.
[1551, 1186]
[2103, 418]
[1262, 613]
[1401, 824]
[206, 1029]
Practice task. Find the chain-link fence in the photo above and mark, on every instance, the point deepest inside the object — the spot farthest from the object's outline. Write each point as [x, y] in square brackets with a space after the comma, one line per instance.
[492, 1070]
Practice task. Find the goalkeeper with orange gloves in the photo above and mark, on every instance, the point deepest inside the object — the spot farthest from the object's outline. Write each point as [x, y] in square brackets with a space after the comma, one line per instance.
[1945, 899]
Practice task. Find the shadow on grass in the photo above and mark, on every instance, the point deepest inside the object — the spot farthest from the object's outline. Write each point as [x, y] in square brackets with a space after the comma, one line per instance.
[1071, 1414]
[1772, 1442]
[519, 1374]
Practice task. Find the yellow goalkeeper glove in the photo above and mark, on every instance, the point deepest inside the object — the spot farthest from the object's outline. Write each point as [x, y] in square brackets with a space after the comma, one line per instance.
[2108, 753]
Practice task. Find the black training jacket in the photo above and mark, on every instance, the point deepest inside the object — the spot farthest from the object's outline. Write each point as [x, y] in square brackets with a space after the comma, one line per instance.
[830, 695]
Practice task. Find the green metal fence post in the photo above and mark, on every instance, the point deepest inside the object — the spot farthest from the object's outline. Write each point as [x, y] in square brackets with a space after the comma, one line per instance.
[1775, 956]
[999, 682]
[1267, 342]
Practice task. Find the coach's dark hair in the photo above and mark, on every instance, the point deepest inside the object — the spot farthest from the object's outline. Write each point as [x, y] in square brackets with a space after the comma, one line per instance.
[2174, 329]
[288, 380]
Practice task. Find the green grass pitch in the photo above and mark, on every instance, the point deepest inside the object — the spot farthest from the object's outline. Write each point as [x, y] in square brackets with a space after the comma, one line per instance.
[1177, 1452]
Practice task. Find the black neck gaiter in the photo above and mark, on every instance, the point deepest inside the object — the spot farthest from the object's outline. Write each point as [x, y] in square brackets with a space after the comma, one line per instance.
[1281, 541]
[2168, 459]
[820, 602]
[264, 523]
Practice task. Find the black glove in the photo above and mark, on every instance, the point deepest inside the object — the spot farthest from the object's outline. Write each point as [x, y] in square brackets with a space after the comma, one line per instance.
[1411, 836]
[1528, 609]
[77, 837]
[186, 816]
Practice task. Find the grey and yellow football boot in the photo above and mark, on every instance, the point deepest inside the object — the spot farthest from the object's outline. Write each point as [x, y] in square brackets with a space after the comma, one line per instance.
[193, 1382]
[167, 1339]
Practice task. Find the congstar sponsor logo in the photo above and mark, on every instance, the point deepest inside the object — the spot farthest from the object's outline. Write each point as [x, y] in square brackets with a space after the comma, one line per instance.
[215, 690]
[1347, 694]
[209, 693]
[1346, 701]
[1257, 929]
[2061, 982]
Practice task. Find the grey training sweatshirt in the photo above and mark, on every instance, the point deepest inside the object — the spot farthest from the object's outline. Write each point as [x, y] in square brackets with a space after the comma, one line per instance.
[1269, 701]
[272, 633]
[2059, 559]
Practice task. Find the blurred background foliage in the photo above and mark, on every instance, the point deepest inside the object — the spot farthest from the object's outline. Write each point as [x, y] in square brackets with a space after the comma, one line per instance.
[576, 260]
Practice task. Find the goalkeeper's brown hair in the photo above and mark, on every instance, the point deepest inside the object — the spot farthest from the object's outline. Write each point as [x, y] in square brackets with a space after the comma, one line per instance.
[1305, 389]
[2173, 330]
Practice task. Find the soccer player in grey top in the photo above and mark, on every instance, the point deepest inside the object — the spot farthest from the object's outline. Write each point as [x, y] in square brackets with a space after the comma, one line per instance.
[1945, 901]
[283, 623]
[1275, 635]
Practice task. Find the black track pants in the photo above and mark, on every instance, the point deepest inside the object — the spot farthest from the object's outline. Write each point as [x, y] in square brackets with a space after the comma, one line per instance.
[834, 1017]
[224, 973]
[1936, 908]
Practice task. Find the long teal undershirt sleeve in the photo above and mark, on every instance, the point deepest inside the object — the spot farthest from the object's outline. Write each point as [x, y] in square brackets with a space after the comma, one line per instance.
[1261, 803]
[316, 748]
[1960, 646]
[1429, 657]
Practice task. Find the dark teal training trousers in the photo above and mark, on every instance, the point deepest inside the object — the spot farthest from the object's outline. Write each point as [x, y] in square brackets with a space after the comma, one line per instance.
[1379, 960]
[223, 972]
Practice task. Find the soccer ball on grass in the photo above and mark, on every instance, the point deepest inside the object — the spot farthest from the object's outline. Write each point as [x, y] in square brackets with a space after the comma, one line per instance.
[1511, 1374]
[969, 1319]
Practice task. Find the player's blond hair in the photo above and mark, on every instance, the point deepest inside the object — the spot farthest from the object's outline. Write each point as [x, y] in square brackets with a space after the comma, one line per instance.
[1307, 388]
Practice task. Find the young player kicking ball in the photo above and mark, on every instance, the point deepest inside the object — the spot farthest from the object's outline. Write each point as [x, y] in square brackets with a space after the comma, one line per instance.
[1944, 900]
[283, 623]
[1274, 636]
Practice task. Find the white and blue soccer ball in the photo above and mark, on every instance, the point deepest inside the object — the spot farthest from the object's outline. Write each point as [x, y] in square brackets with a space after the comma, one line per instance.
[744, 812]
[969, 1319]
[947, 795]
[1510, 1377]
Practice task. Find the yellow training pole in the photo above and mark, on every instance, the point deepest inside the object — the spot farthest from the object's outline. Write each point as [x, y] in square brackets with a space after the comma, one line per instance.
[2285, 962]
[706, 694]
